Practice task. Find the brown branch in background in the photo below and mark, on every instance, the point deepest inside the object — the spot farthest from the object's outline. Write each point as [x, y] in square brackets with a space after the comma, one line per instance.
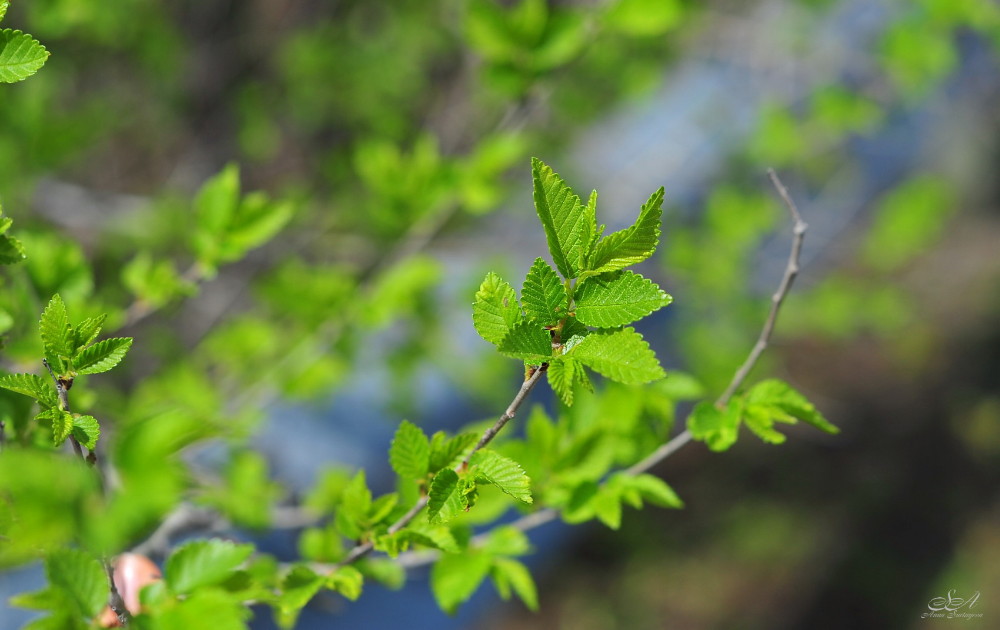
[540, 517]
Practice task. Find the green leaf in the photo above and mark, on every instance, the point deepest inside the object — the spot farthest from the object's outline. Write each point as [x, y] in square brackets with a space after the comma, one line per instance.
[717, 428]
[455, 577]
[212, 609]
[297, 588]
[655, 491]
[356, 500]
[62, 425]
[506, 540]
[55, 332]
[86, 332]
[445, 452]
[11, 250]
[257, 220]
[495, 310]
[321, 544]
[203, 563]
[908, 221]
[508, 573]
[644, 18]
[633, 244]
[21, 55]
[347, 581]
[154, 282]
[502, 472]
[248, 493]
[527, 341]
[437, 536]
[410, 452]
[758, 419]
[384, 571]
[86, 430]
[563, 374]
[3, 8]
[621, 355]
[214, 206]
[31, 385]
[560, 212]
[382, 507]
[444, 497]
[612, 300]
[789, 403]
[81, 577]
[543, 295]
[102, 356]
[607, 507]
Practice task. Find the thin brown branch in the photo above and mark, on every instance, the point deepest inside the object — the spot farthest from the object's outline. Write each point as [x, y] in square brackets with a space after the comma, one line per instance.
[799, 228]
[63, 384]
[533, 376]
[115, 600]
[365, 548]
[545, 515]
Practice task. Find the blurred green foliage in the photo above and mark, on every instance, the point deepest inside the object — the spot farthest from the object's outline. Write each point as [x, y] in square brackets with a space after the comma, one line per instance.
[373, 127]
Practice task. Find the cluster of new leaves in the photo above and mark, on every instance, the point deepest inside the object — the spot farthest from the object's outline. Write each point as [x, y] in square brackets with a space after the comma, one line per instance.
[21, 55]
[70, 351]
[759, 408]
[580, 319]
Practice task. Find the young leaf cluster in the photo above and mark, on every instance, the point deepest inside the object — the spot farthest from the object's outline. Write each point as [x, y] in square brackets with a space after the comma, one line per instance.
[69, 351]
[578, 318]
[759, 409]
[229, 224]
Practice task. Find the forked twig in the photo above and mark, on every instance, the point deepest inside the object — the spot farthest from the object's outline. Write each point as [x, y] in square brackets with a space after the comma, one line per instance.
[540, 517]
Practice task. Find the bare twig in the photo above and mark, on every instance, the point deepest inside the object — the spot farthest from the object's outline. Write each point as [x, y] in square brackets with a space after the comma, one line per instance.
[799, 228]
[540, 517]
[490, 433]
